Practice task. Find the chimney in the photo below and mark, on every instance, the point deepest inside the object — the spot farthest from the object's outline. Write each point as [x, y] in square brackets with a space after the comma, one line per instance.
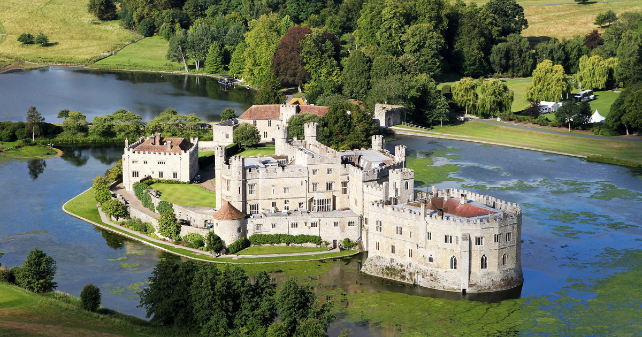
[127, 143]
[157, 139]
[462, 199]
[169, 145]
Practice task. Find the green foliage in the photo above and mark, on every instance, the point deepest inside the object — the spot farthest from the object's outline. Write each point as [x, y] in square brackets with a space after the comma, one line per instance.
[626, 111]
[168, 226]
[629, 54]
[426, 45]
[41, 39]
[494, 98]
[147, 27]
[102, 9]
[274, 239]
[214, 60]
[296, 123]
[262, 41]
[605, 17]
[573, 114]
[37, 272]
[199, 39]
[26, 38]
[595, 71]
[465, 94]
[164, 206]
[228, 113]
[575, 49]
[476, 32]
[297, 304]
[439, 113]
[237, 63]
[613, 161]
[75, 123]
[319, 53]
[552, 50]
[246, 135]
[34, 121]
[144, 197]
[90, 297]
[549, 83]
[513, 58]
[270, 93]
[170, 123]
[348, 244]
[510, 15]
[114, 208]
[121, 123]
[214, 242]
[356, 75]
[100, 183]
[166, 31]
[194, 240]
[115, 173]
[341, 130]
[238, 245]
[102, 195]
[178, 46]
[394, 21]
[140, 226]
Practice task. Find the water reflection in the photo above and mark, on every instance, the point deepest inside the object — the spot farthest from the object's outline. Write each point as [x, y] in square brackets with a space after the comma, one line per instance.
[113, 240]
[36, 167]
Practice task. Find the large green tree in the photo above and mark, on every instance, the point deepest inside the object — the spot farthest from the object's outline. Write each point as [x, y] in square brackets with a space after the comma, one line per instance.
[393, 25]
[465, 93]
[228, 113]
[168, 226]
[270, 93]
[199, 39]
[629, 54]
[549, 83]
[37, 272]
[476, 33]
[626, 111]
[513, 57]
[262, 41]
[510, 15]
[595, 71]
[246, 134]
[575, 49]
[426, 44]
[171, 123]
[494, 98]
[178, 48]
[34, 121]
[439, 112]
[75, 123]
[214, 59]
[605, 17]
[369, 22]
[237, 62]
[114, 208]
[320, 52]
[102, 9]
[297, 305]
[356, 75]
[296, 123]
[552, 50]
[573, 113]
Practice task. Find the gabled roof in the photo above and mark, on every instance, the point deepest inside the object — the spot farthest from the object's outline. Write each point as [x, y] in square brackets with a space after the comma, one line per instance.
[228, 212]
[313, 109]
[452, 206]
[266, 111]
[178, 145]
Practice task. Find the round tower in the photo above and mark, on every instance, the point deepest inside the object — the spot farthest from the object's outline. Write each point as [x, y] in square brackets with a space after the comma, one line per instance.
[310, 130]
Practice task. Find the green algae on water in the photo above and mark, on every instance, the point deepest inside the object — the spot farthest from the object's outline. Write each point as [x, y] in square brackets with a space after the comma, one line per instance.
[118, 259]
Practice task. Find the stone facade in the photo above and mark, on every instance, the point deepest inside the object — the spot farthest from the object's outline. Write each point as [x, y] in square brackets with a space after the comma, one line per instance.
[389, 115]
[270, 118]
[223, 133]
[159, 158]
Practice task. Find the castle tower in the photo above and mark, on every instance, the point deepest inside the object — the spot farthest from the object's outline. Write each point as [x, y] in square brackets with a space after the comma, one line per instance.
[280, 139]
[286, 112]
[219, 165]
[237, 182]
[310, 130]
[401, 184]
[378, 143]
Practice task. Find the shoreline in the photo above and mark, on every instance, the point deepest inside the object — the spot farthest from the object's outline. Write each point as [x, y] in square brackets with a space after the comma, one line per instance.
[58, 154]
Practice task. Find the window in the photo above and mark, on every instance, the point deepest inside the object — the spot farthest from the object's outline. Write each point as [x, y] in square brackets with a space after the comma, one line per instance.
[377, 245]
[258, 227]
[315, 172]
[254, 122]
[508, 236]
[294, 225]
[227, 182]
[484, 262]
[273, 225]
[269, 122]
[398, 230]
[161, 162]
[286, 205]
[273, 189]
[134, 161]
[406, 185]
[479, 241]
[175, 175]
[378, 226]
[350, 223]
[392, 249]
[321, 205]
[300, 205]
[314, 224]
[453, 262]
[429, 236]
[265, 134]
[135, 174]
[227, 136]
[410, 234]
[329, 171]
[254, 208]
[145, 162]
[449, 238]
[344, 187]
[286, 202]
[496, 238]
[286, 190]
[430, 259]
[160, 174]
[273, 203]
[504, 259]
[336, 224]
[409, 252]
[251, 188]
[315, 187]
[329, 186]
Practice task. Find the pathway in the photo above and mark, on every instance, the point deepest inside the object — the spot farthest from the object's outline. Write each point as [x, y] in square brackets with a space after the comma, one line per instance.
[236, 257]
[133, 201]
[514, 126]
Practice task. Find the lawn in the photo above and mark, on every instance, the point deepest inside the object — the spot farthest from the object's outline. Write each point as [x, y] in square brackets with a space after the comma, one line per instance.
[35, 151]
[186, 195]
[279, 250]
[263, 149]
[146, 54]
[518, 85]
[608, 147]
[4, 145]
[603, 101]
[75, 36]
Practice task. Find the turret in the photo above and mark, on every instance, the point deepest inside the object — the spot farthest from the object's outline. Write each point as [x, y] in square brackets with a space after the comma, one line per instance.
[280, 139]
[378, 142]
[310, 130]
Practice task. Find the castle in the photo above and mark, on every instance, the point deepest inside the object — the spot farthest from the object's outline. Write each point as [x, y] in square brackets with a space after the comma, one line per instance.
[449, 239]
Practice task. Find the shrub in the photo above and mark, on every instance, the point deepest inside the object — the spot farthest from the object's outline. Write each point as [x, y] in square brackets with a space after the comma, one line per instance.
[271, 239]
[347, 244]
[37, 272]
[167, 225]
[4, 274]
[140, 226]
[114, 208]
[140, 188]
[102, 9]
[146, 27]
[164, 206]
[25, 38]
[150, 182]
[238, 246]
[102, 195]
[166, 31]
[214, 242]
[12, 273]
[42, 40]
[90, 297]
[194, 240]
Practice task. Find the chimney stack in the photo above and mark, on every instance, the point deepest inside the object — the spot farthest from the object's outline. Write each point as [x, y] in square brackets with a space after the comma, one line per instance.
[157, 139]
[127, 143]
[169, 145]
[462, 199]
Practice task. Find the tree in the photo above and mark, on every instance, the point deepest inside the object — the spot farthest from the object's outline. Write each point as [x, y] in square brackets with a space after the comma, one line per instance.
[300, 10]
[102, 195]
[26, 38]
[510, 15]
[164, 206]
[582, 2]
[356, 75]
[494, 98]
[168, 226]
[626, 111]
[595, 71]
[90, 297]
[513, 57]
[629, 55]
[102, 9]
[64, 113]
[199, 39]
[41, 39]
[287, 63]
[393, 24]
[593, 40]
[177, 50]
[426, 44]
[296, 123]
[37, 272]
[246, 135]
[549, 83]
[477, 30]
[440, 111]
[533, 109]
[320, 52]
[270, 93]
[552, 50]
[573, 113]
[262, 41]
[465, 93]
[297, 304]
[214, 60]
[147, 27]
[34, 121]
[213, 242]
[605, 17]
[237, 63]
[228, 113]
[169, 122]
[75, 122]
[114, 208]
[575, 49]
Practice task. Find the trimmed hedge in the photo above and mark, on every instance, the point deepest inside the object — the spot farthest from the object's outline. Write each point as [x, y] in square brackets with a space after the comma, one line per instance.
[238, 246]
[613, 161]
[150, 182]
[164, 206]
[348, 244]
[271, 239]
[194, 240]
[144, 197]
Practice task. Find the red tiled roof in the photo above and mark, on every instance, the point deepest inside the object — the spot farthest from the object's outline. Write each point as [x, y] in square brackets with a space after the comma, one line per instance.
[452, 206]
[228, 212]
[312, 109]
[178, 145]
[267, 111]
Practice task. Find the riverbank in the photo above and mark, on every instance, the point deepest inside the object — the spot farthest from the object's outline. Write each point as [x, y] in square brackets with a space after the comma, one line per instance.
[31, 152]
[484, 133]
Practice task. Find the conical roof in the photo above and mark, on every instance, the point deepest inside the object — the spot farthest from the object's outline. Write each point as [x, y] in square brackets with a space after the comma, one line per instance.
[228, 212]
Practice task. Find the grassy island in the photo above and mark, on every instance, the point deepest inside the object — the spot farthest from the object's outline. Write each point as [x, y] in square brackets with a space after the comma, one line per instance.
[34, 151]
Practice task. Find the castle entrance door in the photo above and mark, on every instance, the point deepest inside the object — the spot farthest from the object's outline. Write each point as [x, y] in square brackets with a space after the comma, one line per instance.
[334, 244]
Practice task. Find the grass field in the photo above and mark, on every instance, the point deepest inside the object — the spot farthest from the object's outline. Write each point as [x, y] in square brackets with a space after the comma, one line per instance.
[75, 35]
[545, 141]
[186, 195]
[603, 101]
[4, 145]
[264, 150]
[146, 54]
[279, 250]
[35, 151]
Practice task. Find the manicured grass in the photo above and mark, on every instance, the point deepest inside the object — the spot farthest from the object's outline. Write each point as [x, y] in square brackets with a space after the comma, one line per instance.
[607, 147]
[35, 151]
[186, 195]
[4, 145]
[518, 86]
[289, 258]
[206, 153]
[279, 250]
[603, 101]
[264, 150]
[146, 54]
[75, 35]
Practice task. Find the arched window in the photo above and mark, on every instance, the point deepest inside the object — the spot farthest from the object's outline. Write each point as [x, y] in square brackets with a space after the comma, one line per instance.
[453, 262]
[484, 262]
[430, 259]
[504, 260]
[406, 185]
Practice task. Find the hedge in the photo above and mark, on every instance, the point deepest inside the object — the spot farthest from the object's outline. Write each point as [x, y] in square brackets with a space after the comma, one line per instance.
[238, 246]
[164, 181]
[194, 240]
[164, 206]
[271, 239]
